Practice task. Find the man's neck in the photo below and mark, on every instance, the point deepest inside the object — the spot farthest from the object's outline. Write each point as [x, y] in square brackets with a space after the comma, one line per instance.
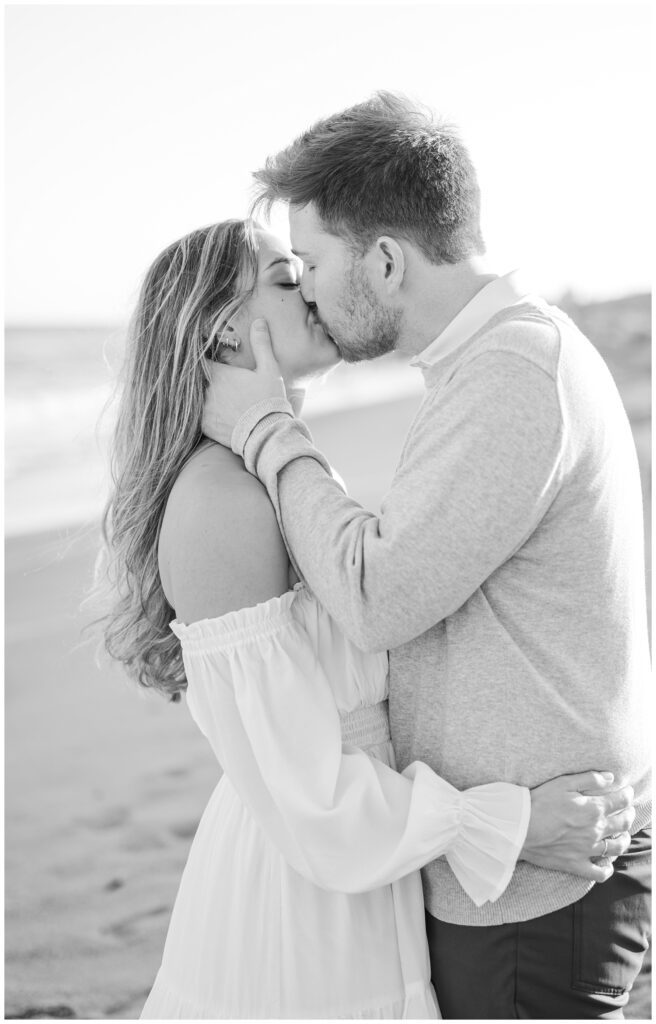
[435, 297]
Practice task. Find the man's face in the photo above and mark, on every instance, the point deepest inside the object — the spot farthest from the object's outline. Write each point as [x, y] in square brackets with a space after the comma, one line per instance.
[341, 287]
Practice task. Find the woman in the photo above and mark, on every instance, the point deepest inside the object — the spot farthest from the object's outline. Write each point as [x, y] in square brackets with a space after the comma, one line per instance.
[300, 897]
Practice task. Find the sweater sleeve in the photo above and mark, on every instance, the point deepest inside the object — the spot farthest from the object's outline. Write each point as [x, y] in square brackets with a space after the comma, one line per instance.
[344, 820]
[481, 467]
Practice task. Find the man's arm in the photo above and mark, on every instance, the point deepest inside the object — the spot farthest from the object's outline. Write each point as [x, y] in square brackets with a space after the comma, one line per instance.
[566, 827]
[480, 472]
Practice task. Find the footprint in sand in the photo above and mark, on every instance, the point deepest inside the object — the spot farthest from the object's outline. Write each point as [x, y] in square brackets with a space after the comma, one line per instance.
[108, 817]
[184, 829]
[129, 926]
[113, 885]
[128, 1009]
[144, 837]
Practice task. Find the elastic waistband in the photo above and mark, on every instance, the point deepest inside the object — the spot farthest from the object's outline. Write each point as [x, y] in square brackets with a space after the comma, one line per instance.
[366, 727]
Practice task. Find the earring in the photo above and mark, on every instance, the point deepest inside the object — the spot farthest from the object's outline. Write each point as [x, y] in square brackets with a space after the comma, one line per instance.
[229, 339]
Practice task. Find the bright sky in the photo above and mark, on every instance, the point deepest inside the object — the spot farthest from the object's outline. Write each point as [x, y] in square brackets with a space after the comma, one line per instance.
[130, 125]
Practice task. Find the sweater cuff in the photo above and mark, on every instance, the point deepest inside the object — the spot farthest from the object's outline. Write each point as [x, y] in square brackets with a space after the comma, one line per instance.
[268, 438]
[249, 420]
[274, 441]
[493, 826]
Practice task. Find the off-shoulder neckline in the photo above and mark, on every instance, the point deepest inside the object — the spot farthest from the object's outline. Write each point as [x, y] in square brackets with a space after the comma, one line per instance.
[265, 611]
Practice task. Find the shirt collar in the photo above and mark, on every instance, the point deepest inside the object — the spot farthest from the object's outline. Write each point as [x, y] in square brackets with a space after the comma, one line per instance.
[492, 298]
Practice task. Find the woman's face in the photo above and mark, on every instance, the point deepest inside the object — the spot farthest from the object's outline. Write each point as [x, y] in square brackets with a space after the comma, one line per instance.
[300, 344]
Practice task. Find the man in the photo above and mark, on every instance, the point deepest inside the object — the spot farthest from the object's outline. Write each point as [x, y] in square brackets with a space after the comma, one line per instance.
[505, 571]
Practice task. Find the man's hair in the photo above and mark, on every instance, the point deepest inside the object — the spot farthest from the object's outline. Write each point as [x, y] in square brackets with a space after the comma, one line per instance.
[382, 167]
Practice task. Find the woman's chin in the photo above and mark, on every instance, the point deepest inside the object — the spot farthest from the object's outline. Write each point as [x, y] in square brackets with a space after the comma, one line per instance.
[329, 368]
[332, 357]
[327, 359]
[325, 340]
[313, 374]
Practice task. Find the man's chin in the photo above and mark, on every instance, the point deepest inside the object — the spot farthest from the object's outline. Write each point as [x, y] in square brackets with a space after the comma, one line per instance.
[359, 353]
[352, 357]
[346, 355]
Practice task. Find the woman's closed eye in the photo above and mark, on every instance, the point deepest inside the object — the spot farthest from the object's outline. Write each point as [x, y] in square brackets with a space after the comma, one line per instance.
[289, 284]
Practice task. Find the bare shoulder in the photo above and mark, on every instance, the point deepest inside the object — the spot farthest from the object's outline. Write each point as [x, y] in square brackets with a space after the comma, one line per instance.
[220, 547]
[211, 488]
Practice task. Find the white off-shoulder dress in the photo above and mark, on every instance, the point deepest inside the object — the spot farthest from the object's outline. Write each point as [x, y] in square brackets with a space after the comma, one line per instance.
[301, 896]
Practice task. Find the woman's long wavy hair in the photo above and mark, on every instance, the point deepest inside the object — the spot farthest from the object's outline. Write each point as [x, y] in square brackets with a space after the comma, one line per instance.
[187, 299]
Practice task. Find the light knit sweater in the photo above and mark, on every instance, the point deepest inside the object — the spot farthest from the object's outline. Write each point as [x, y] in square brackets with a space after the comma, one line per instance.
[505, 574]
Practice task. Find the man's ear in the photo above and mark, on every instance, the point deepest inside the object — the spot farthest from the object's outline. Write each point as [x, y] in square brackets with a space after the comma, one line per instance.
[390, 263]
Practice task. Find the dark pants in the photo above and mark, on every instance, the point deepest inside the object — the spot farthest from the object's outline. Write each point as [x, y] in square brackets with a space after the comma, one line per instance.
[579, 962]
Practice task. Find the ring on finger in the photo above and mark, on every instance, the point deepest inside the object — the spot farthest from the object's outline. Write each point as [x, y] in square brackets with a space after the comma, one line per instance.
[605, 850]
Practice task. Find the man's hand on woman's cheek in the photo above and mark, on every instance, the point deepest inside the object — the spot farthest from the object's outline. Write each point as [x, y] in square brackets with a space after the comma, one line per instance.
[233, 390]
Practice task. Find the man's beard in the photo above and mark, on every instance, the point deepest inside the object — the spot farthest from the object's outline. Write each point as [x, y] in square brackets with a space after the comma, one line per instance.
[365, 329]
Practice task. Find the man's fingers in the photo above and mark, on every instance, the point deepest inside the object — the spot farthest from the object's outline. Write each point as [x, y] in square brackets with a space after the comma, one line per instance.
[613, 846]
[622, 821]
[600, 871]
[590, 783]
[265, 361]
[617, 800]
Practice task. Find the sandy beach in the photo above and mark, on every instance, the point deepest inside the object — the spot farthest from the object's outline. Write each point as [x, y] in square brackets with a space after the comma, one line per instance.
[105, 786]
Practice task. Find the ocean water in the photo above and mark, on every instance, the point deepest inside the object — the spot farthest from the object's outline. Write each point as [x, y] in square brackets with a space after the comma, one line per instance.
[59, 384]
[60, 401]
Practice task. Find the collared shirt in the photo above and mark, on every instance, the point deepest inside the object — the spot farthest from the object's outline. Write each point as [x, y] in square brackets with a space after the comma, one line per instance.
[504, 291]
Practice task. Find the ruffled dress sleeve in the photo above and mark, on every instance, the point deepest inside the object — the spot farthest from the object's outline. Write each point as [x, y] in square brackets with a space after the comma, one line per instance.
[345, 821]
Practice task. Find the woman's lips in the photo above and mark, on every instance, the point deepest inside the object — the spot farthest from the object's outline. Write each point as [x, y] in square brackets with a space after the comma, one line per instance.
[314, 319]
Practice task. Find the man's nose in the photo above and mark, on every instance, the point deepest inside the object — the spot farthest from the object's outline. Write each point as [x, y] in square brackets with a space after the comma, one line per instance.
[307, 291]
